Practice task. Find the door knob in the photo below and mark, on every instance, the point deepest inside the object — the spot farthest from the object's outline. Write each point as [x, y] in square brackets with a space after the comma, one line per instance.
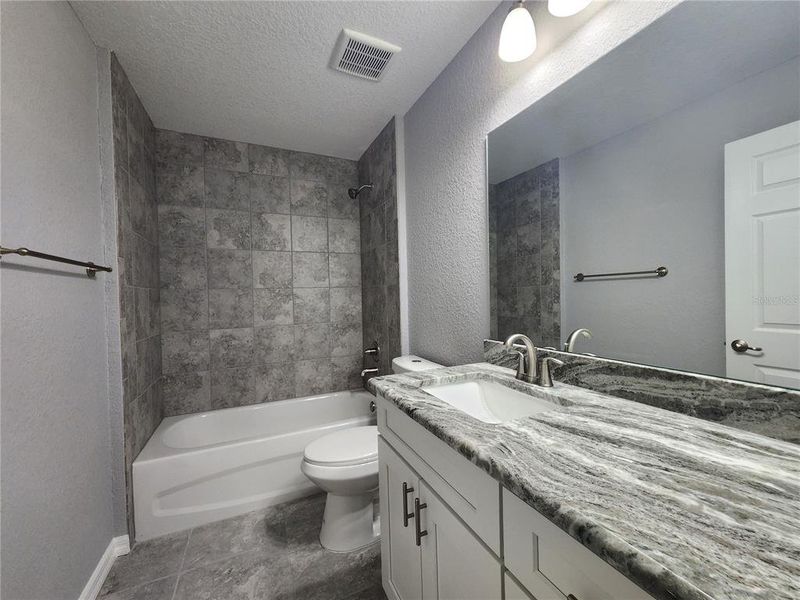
[741, 346]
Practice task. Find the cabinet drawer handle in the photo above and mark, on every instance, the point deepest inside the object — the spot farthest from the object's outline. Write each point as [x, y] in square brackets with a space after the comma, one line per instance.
[571, 597]
[417, 508]
[406, 515]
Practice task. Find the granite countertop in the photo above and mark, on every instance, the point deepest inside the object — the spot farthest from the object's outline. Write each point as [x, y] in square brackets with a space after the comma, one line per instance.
[685, 508]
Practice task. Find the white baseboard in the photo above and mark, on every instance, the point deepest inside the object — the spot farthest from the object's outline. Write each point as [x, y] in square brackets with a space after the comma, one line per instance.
[118, 546]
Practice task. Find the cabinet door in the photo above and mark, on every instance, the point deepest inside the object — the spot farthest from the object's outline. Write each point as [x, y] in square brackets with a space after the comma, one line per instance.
[455, 565]
[400, 555]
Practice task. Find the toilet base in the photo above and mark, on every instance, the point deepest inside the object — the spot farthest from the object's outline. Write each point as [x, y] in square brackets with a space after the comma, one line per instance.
[347, 524]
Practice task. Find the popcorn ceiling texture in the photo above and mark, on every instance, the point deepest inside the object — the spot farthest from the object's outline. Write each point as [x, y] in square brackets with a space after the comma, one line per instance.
[445, 137]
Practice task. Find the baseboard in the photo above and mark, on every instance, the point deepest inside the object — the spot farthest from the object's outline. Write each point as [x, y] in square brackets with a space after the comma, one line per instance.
[118, 546]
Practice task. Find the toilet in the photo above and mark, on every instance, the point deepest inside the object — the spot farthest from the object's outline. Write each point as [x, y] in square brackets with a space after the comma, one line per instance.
[345, 465]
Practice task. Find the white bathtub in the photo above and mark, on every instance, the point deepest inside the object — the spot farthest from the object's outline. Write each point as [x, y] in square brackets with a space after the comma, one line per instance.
[200, 468]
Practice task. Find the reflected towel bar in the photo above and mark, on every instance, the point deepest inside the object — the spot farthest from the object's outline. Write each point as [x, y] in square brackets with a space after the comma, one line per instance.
[659, 272]
[91, 268]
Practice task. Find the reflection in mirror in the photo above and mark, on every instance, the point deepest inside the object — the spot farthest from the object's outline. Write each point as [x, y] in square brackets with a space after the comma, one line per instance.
[679, 149]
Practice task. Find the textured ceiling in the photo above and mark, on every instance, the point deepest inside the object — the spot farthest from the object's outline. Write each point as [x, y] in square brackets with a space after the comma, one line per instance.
[258, 71]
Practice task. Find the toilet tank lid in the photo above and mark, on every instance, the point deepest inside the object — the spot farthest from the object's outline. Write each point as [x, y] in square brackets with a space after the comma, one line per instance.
[351, 446]
[410, 362]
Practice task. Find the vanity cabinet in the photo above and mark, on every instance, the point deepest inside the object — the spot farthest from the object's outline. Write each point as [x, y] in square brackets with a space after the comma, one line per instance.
[443, 538]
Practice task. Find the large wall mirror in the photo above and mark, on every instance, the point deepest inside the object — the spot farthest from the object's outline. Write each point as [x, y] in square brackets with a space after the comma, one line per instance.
[654, 200]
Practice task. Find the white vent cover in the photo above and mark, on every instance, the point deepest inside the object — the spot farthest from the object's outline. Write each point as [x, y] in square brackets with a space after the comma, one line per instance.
[362, 55]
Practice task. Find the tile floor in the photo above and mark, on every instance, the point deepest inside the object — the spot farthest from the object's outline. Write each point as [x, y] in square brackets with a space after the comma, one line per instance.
[263, 555]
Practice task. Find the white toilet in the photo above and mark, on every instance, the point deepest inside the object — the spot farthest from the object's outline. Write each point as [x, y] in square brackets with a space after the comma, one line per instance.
[345, 465]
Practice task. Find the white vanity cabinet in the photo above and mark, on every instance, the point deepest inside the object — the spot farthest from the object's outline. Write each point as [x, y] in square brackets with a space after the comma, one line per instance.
[442, 536]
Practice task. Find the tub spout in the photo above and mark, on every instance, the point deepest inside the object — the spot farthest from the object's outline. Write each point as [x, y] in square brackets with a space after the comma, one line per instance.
[366, 372]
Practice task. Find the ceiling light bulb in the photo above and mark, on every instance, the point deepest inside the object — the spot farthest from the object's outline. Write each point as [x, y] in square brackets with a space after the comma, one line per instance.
[566, 8]
[518, 36]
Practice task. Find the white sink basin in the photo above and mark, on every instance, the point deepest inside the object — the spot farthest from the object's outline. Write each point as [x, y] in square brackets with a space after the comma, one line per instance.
[488, 401]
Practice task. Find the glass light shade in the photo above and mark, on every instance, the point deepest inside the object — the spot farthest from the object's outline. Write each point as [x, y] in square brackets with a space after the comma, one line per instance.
[566, 8]
[518, 36]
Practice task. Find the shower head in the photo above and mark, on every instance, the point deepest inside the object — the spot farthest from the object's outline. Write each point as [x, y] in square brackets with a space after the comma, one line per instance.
[354, 192]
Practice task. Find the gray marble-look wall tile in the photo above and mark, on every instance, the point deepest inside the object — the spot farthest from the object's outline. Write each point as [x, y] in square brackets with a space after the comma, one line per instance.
[230, 308]
[274, 344]
[272, 269]
[346, 372]
[231, 347]
[273, 307]
[345, 270]
[272, 232]
[310, 269]
[265, 160]
[224, 154]
[344, 236]
[178, 152]
[346, 339]
[228, 229]
[309, 234]
[346, 305]
[186, 392]
[311, 305]
[274, 382]
[183, 268]
[184, 309]
[340, 204]
[148, 312]
[144, 262]
[232, 387]
[185, 351]
[309, 198]
[143, 212]
[181, 226]
[228, 190]
[148, 357]
[314, 167]
[312, 340]
[270, 194]
[229, 269]
[312, 376]
[181, 189]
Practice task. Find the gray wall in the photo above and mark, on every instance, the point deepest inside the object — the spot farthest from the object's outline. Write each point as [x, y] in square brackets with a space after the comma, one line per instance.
[380, 274]
[260, 273]
[445, 137]
[137, 248]
[655, 196]
[524, 256]
[57, 517]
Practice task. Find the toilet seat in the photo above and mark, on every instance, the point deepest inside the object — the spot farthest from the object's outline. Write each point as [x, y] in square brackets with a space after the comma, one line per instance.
[348, 447]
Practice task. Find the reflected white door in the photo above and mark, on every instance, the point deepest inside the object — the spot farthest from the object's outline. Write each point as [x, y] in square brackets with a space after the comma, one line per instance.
[762, 257]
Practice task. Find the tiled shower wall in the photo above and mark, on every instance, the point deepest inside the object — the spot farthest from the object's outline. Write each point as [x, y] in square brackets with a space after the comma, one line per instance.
[379, 252]
[524, 254]
[260, 273]
[140, 323]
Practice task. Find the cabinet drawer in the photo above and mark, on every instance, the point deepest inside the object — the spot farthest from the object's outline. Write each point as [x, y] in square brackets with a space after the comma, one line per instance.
[514, 591]
[469, 491]
[550, 564]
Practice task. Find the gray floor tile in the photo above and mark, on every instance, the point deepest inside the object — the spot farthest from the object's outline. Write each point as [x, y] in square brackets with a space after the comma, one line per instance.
[323, 575]
[155, 590]
[372, 593]
[147, 561]
[262, 530]
[249, 576]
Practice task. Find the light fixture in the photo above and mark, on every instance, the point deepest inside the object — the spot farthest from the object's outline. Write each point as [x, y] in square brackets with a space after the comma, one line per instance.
[518, 36]
[566, 8]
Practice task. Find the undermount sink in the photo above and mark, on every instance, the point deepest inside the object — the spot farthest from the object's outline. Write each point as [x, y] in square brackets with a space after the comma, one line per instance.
[488, 401]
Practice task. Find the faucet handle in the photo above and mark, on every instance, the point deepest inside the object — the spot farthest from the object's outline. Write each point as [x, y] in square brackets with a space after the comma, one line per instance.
[545, 376]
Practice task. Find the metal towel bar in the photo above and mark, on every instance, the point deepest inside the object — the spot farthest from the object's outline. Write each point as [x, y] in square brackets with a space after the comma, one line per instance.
[659, 272]
[91, 268]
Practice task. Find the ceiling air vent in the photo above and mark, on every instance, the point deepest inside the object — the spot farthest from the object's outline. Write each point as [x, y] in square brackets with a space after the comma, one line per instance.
[362, 55]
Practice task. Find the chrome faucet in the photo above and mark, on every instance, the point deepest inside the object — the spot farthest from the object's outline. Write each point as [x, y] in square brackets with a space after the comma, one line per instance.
[526, 369]
[569, 345]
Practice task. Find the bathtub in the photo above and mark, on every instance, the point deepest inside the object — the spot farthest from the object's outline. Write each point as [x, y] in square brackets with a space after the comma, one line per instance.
[200, 468]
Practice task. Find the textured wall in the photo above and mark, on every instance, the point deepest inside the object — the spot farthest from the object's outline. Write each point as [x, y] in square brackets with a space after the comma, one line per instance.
[56, 494]
[445, 137]
[137, 247]
[524, 256]
[379, 250]
[668, 172]
[260, 273]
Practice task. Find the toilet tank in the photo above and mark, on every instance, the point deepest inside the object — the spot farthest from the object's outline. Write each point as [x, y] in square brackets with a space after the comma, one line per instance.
[410, 363]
